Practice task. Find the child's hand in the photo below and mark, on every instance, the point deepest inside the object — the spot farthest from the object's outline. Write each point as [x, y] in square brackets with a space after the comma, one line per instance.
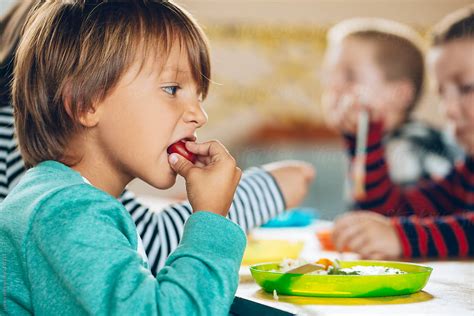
[212, 180]
[344, 114]
[367, 233]
[293, 179]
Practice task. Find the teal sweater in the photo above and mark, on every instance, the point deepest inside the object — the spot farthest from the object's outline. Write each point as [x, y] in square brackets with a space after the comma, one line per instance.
[68, 248]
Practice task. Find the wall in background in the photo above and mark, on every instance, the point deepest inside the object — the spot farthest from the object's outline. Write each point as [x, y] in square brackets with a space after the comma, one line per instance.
[267, 73]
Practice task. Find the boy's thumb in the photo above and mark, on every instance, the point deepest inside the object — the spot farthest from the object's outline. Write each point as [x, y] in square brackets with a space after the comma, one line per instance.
[180, 164]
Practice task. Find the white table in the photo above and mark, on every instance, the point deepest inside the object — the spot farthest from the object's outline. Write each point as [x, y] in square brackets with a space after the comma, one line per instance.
[450, 289]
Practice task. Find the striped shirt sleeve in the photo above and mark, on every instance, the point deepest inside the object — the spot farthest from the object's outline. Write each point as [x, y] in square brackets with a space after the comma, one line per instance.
[381, 194]
[441, 196]
[437, 236]
[11, 163]
[257, 200]
[433, 218]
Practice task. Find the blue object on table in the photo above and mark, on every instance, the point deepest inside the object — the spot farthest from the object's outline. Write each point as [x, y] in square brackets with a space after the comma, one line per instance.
[297, 217]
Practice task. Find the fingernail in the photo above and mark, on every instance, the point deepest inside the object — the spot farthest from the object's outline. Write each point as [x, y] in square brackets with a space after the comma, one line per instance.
[173, 158]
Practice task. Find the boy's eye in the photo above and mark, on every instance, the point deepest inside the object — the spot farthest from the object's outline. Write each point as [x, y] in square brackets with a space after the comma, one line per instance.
[466, 89]
[171, 90]
[350, 75]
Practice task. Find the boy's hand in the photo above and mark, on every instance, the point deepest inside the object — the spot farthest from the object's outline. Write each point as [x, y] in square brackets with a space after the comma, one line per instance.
[293, 178]
[212, 180]
[367, 233]
[343, 114]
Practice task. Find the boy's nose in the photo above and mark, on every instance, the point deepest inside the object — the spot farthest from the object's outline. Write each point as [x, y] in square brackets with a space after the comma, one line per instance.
[196, 114]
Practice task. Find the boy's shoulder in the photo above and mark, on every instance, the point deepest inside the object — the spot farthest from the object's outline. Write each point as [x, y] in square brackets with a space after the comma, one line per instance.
[52, 180]
[54, 193]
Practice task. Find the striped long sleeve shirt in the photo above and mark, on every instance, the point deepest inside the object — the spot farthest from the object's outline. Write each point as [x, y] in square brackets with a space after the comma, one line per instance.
[257, 200]
[435, 217]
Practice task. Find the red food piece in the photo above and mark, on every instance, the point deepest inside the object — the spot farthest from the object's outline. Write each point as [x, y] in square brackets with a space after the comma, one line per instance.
[180, 149]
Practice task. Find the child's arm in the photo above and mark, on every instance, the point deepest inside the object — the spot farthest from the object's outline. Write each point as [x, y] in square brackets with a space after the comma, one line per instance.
[257, 200]
[441, 237]
[82, 259]
[427, 198]
[375, 236]
[261, 194]
[381, 194]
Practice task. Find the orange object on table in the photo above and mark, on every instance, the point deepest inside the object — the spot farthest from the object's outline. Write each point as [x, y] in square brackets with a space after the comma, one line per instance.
[325, 262]
[325, 239]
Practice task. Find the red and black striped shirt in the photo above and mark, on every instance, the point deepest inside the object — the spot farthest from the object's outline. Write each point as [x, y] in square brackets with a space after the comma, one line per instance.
[435, 217]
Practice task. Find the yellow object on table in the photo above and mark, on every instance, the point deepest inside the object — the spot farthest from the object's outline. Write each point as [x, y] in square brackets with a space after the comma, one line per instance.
[268, 250]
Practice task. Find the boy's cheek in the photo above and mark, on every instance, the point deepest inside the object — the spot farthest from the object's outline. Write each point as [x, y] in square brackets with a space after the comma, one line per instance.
[467, 141]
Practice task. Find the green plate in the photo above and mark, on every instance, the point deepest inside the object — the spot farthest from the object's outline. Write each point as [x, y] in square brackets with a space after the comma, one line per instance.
[344, 285]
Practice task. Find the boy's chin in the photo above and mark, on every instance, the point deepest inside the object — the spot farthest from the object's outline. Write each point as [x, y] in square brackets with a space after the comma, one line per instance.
[164, 182]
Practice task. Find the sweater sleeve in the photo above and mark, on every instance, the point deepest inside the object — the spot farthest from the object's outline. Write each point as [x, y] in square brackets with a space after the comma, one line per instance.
[433, 218]
[432, 197]
[82, 259]
[257, 200]
[381, 194]
[439, 237]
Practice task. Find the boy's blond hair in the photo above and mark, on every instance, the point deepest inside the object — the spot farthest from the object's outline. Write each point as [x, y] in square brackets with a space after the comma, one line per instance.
[78, 51]
[399, 49]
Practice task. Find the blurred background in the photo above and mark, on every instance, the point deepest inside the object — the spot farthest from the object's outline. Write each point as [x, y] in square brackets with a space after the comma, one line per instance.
[264, 104]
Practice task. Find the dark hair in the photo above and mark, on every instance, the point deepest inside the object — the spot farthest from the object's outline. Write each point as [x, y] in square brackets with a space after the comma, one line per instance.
[457, 25]
[81, 49]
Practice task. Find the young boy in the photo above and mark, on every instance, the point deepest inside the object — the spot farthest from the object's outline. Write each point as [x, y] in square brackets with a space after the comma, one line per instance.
[380, 63]
[434, 218]
[101, 90]
[262, 193]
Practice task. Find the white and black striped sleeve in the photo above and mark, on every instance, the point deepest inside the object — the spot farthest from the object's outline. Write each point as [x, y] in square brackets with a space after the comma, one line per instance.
[257, 200]
[11, 163]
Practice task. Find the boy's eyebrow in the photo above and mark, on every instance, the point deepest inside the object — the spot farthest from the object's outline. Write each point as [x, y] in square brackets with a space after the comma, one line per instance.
[173, 69]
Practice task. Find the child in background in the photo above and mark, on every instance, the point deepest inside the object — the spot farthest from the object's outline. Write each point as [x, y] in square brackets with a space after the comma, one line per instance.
[263, 192]
[380, 63]
[101, 90]
[435, 218]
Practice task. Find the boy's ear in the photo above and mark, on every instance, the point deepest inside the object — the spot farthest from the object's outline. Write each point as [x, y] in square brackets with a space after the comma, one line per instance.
[88, 118]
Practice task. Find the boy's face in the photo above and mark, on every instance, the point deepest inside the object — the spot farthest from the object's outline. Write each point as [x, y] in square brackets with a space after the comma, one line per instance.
[453, 66]
[351, 70]
[148, 111]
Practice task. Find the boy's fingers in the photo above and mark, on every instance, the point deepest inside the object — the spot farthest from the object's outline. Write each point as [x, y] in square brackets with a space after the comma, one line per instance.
[211, 148]
[357, 242]
[180, 164]
[377, 256]
[203, 160]
[341, 237]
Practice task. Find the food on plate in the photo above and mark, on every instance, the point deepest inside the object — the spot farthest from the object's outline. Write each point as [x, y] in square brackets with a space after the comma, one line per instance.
[354, 278]
[334, 268]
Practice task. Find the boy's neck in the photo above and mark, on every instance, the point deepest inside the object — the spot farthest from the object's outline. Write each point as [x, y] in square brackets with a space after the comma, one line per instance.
[102, 177]
[95, 166]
